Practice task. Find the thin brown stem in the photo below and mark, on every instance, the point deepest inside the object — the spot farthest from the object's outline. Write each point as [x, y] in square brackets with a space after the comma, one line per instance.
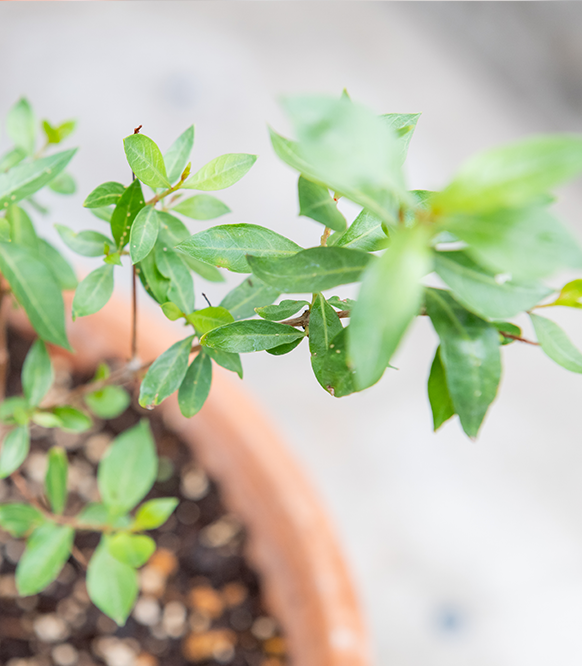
[510, 336]
[303, 319]
[325, 236]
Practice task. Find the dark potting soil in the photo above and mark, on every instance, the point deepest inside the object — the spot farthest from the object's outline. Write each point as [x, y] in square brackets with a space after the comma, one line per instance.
[199, 602]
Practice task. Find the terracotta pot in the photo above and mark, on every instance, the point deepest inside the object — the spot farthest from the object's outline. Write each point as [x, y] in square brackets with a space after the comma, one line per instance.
[290, 540]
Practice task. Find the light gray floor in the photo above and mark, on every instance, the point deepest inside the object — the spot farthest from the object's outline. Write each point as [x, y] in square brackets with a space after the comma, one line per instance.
[464, 552]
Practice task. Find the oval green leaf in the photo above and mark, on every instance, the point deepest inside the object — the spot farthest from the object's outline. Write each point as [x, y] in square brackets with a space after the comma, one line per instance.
[145, 160]
[250, 336]
[93, 292]
[221, 172]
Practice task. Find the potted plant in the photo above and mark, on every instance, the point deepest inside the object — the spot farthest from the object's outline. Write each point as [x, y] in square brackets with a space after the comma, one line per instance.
[489, 236]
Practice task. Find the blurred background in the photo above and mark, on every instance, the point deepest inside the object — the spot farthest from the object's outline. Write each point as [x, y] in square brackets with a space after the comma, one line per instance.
[463, 552]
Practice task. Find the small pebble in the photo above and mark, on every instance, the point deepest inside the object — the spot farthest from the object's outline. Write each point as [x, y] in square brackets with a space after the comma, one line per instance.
[275, 646]
[198, 647]
[264, 628]
[27, 603]
[65, 655]
[206, 600]
[188, 513]
[174, 619]
[8, 587]
[96, 445]
[199, 622]
[152, 581]
[234, 594]
[35, 466]
[115, 652]
[195, 484]
[147, 611]
[145, 659]
[50, 628]
[220, 533]
[164, 561]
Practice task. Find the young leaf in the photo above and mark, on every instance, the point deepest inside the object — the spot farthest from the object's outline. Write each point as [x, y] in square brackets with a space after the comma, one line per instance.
[14, 450]
[195, 386]
[281, 311]
[128, 469]
[57, 134]
[228, 245]
[181, 288]
[341, 303]
[21, 228]
[21, 125]
[469, 352]
[324, 326]
[438, 393]
[105, 195]
[570, 295]
[227, 360]
[47, 550]
[512, 175]
[250, 336]
[108, 402]
[60, 268]
[55, 481]
[144, 233]
[178, 154]
[19, 519]
[132, 549]
[154, 513]
[251, 293]
[25, 179]
[202, 207]
[36, 289]
[64, 183]
[145, 160]
[93, 292]
[85, 243]
[165, 374]
[482, 292]
[527, 243]
[96, 514]
[37, 373]
[221, 172]
[316, 202]
[366, 233]
[208, 318]
[312, 270]
[389, 300]
[556, 344]
[112, 585]
[72, 419]
[128, 206]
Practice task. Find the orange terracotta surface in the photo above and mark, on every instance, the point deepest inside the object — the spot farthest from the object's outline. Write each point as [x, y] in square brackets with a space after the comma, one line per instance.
[291, 542]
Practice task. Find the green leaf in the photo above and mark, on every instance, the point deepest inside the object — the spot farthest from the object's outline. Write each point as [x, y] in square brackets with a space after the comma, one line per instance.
[312, 270]
[63, 184]
[47, 551]
[96, 514]
[281, 311]
[202, 207]
[154, 513]
[178, 154]
[108, 402]
[36, 290]
[528, 243]
[144, 233]
[469, 352]
[37, 373]
[124, 213]
[19, 519]
[12, 158]
[341, 303]
[26, 179]
[482, 292]
[55, 481]
[104, 213]
[132, 549]
[228, 245]
[316, 202]
[208, 318]
[93, 292]
[403, 125]
[221, 172]
[333, 370]
[154, 282]
[145, 160]
[15, 411]
[280, 350]
[171, 311]
[86, 243]
[21, 125]
[14, 450]
[206, 271]
[512, 175]
[324, 326]
[128, 469]
[227, 360]
[366, 233]
[438, 393]
[249, 336]
[506, 327]
[195, 386]
[570, 295]
[57, 134]
[165, 374]
[251, 293]
[389, 300]
[181, 288]
[111, 584]
[22, 230]
[556, 344]
[60, 268]
[105, 195]
[46, 419]
[72, 419]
